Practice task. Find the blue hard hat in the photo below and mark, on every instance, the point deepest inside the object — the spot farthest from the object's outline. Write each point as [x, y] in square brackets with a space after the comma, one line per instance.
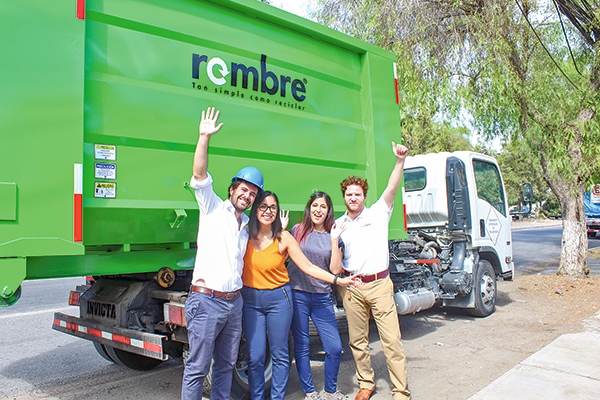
[251, 175]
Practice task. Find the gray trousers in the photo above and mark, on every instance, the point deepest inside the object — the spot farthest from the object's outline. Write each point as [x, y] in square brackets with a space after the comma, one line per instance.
[214, 332]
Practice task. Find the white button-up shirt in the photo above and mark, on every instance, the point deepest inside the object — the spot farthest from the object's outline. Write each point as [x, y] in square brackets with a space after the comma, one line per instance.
[365, 239]
[221, 240]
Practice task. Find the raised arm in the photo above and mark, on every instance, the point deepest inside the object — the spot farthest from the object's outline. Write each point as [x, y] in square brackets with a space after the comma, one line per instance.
[400, 151]
[206, 129]
[288, 244]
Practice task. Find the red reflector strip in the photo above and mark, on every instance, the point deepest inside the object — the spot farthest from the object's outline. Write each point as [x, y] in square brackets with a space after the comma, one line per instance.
[121, 339]
[78, 204]
[141, 344]
[396, 83]
[81, 9]
[94, 332]
[152, 347]
[404, 209]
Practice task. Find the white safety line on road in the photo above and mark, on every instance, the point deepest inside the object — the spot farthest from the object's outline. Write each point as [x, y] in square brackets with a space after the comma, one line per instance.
[27, 314]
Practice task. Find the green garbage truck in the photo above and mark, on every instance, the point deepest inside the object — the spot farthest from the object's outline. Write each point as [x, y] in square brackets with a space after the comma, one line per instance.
[99, 115]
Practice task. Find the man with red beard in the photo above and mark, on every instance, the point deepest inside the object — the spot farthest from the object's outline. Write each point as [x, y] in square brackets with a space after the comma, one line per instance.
[366, 253]
[213, 309]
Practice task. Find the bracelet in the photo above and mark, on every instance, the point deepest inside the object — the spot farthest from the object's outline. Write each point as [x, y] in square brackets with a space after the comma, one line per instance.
[335, 278]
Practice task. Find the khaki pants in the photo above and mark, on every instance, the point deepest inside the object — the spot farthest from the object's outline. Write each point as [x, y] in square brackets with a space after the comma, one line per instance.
[376, 297]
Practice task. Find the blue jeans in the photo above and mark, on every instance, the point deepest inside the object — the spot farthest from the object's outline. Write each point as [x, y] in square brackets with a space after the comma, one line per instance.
[319, 307]
[214, 331]
[267, 313]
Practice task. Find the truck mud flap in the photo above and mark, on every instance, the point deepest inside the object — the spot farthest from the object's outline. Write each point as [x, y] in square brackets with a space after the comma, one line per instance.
[143, 343]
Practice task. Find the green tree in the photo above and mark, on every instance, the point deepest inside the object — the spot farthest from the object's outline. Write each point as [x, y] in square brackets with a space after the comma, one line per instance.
[519, 167]
[508, 64]
[425, 136]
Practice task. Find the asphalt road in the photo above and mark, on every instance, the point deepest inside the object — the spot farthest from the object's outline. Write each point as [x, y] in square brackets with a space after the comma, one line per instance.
[536, 250]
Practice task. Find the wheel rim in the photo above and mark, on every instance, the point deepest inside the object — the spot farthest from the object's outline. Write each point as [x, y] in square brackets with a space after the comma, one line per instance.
[487, 289]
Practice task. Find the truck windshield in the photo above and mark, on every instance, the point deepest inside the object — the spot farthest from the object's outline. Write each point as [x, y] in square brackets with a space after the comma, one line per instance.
[489, 185]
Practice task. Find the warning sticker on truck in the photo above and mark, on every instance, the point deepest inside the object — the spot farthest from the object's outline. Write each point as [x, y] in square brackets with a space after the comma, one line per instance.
[105, 171]
[106, 190]
[493, 225]
[105, 152]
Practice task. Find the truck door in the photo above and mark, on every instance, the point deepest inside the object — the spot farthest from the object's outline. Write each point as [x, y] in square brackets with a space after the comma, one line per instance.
[491, 221]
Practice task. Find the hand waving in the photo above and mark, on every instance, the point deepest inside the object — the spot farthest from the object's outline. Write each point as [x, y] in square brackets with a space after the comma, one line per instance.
[336, 231]
[285, 218]
[208, 122]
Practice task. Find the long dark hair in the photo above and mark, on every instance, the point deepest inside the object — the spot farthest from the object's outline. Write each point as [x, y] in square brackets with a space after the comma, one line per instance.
[254, 225]
[307, 226]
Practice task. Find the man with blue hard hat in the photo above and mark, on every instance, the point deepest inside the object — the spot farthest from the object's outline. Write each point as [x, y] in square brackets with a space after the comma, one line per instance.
[213, 309]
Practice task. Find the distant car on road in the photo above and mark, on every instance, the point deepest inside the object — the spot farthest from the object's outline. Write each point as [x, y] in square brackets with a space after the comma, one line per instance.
[517, 215]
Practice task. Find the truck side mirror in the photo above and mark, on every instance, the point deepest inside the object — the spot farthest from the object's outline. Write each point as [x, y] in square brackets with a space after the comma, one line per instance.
[527, 192]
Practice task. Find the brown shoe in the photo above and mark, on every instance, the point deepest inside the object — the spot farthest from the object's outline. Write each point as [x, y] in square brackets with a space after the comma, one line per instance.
[364, 394]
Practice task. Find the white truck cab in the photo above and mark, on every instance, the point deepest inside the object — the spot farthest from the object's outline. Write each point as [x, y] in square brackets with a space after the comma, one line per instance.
[459, 233]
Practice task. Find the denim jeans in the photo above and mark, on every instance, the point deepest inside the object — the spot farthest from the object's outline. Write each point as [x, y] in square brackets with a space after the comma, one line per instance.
[214, 331]
[267, 313]
[319, 307]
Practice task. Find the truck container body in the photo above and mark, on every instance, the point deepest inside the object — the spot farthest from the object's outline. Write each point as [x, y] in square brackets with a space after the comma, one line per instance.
[99, 119]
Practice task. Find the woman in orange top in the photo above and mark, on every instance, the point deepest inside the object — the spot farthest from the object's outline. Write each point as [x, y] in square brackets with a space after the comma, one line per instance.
[267, 294]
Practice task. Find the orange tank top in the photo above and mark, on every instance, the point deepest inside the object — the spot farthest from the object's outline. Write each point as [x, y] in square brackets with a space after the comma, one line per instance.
[264, 269]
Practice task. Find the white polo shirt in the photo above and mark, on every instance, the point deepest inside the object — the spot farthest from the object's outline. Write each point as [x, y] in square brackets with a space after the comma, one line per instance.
[221, 241]
[365, 239]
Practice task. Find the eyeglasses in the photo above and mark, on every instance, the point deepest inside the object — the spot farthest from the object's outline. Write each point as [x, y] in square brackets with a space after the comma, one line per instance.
[264, 207]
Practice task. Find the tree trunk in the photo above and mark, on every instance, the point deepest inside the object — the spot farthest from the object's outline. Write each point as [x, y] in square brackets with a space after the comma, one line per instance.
[573, 255]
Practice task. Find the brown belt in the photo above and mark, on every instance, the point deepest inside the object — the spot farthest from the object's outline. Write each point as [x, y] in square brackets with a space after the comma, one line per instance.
[371, 278]
[215, 293]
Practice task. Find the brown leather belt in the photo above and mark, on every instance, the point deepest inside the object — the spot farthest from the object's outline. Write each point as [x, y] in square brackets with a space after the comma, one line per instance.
[371, 278]
[215, 293]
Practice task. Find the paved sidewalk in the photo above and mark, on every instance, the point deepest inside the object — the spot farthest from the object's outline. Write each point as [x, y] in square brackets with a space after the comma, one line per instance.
[568, 368]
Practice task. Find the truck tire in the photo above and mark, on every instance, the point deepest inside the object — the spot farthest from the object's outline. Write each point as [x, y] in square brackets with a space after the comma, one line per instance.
[484, 290]
[102, 351]
[132, 360]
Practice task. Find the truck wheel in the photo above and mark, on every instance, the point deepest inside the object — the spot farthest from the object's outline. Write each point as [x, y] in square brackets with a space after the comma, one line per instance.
[132, 360]
[484, 290]
[102, 351]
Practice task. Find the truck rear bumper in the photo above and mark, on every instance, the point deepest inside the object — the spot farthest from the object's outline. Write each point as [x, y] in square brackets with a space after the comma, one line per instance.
[143, 343]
